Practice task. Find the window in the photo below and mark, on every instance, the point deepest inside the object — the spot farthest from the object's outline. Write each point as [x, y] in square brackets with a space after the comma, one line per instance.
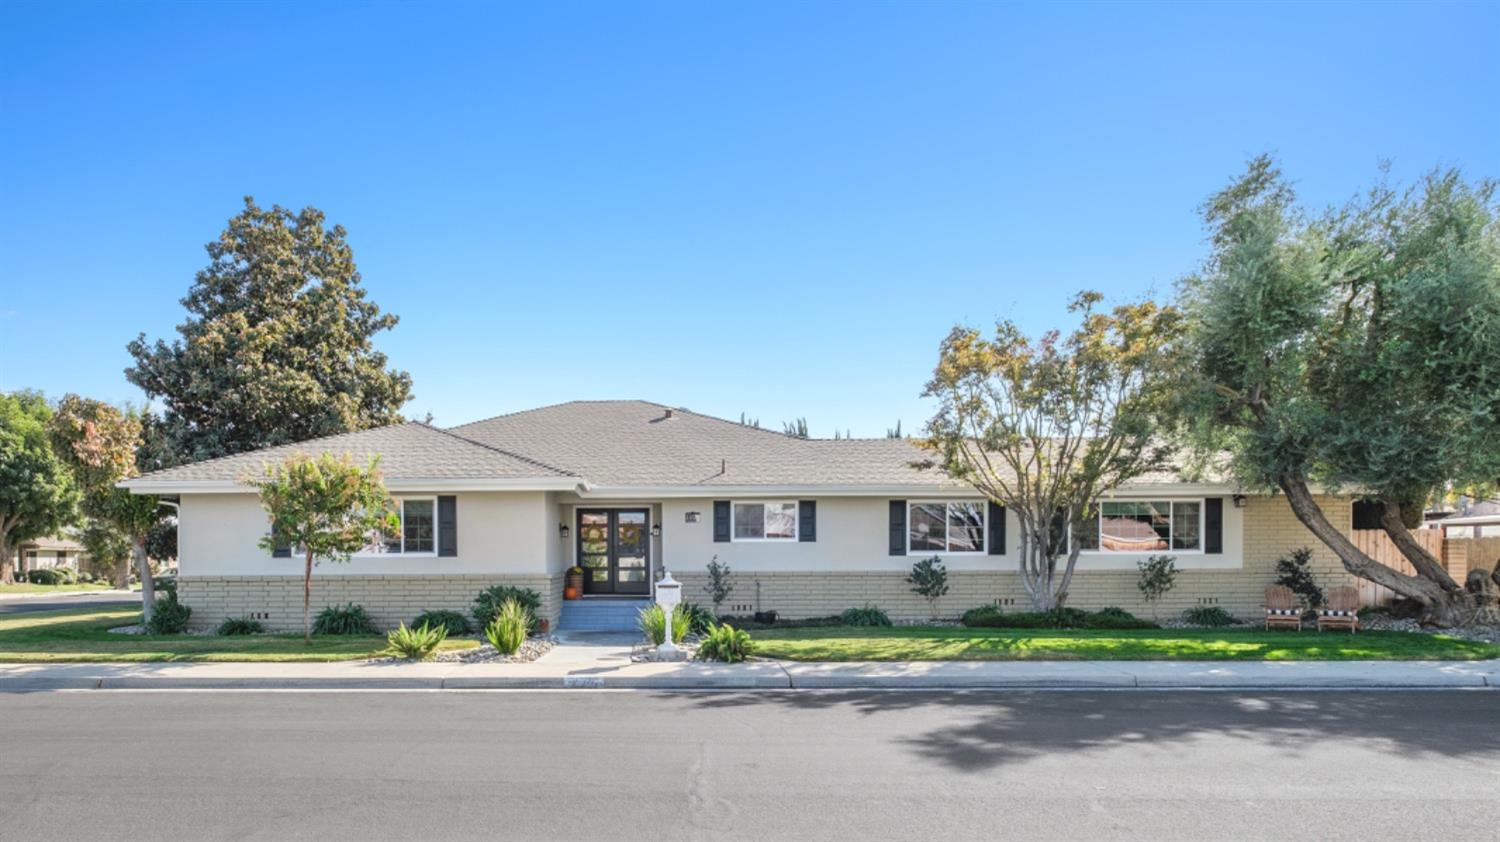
[769, 521]
[945, 526]
[1146, 526]
[417, 533]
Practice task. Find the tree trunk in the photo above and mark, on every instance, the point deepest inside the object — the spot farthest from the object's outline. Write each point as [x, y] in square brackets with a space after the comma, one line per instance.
[307, 600]
[143, 569]
[1442, 607]
[6, 576]
[122, 574]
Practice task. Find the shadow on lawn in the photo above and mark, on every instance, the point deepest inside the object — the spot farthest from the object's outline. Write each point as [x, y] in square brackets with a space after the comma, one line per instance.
[1009, 727]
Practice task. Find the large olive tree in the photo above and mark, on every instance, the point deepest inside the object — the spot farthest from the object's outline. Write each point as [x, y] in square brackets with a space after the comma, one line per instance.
[1045, 426]
[1354, 350]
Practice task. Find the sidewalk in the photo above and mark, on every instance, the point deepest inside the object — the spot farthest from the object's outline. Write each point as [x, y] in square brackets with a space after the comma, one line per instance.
[761, 675]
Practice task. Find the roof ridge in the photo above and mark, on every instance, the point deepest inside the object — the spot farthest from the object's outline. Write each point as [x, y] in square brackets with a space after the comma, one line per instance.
[551, 406]
[527, 459]
[299, 444]
[737, 424]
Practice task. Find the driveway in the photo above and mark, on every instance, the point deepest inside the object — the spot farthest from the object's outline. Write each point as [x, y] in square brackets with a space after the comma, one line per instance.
[611, 765]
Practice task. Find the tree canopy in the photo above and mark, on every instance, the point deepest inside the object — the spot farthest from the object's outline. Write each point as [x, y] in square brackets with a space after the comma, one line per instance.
[37, 493]
[1353, 350]
[277, 346]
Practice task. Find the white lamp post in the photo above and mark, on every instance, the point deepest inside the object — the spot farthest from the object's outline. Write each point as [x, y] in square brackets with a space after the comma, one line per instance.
[668, 595]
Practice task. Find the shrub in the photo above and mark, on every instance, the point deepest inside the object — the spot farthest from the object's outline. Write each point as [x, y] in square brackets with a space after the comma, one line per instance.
[416, 644]
[165, 583]
[1115, 618]
[344, 619]
[1295, 571]
[66, 575]
[452, 621]
[1207, 615]
[508, 630]
[169, 616]
[487, 604]
[653, 623]
[1158, 575]
[86, 577]
[929, 580]
[867, 615]
[990, 616]
[719, 586]
[700, 619]
[43, 576]
[726, 643]
[238, 626]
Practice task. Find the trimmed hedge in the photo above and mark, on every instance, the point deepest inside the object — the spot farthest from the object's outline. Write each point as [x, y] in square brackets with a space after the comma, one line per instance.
[991, 617]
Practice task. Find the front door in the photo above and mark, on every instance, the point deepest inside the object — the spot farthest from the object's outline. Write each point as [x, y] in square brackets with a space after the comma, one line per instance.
[614, 549]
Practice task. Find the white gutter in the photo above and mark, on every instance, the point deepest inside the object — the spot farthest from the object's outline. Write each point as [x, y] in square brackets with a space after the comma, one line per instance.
[147, 486]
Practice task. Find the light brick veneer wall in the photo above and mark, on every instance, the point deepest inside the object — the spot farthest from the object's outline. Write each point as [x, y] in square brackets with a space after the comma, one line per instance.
[1271, 531]
[388, 599]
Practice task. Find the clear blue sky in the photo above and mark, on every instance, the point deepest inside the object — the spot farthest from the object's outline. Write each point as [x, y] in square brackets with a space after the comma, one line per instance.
[774, 208]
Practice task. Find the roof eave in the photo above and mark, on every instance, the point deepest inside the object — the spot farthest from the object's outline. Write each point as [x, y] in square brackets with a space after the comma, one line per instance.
[407, 484]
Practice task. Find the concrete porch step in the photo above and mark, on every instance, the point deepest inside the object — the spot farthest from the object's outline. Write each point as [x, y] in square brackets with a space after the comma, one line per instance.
[600, 614]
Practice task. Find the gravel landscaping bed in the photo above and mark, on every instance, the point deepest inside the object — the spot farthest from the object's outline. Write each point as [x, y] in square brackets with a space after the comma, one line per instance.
[645, 652]
[1381, 622]
[140, 629]
[533, 648]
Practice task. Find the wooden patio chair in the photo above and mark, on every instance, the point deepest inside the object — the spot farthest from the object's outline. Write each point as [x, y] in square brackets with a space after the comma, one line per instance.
[1341, 611]
[1282, 608]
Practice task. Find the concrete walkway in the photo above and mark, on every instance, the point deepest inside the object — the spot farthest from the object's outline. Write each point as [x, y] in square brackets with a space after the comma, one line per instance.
[593, 661]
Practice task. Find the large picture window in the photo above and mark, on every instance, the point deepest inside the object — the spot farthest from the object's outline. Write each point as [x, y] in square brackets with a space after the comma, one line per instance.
[417, 534]
[765, 521]
[945, 526]
[1145, 526]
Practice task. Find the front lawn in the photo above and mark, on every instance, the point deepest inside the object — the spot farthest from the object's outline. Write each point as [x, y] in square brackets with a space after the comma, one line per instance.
[934, 643]
[27, 587]
[81, 634]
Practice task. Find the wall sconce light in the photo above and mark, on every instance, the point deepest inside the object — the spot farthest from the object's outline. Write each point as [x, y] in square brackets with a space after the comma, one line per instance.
[1239, 501]
[691, 517]
[562, 531]
[655, 530]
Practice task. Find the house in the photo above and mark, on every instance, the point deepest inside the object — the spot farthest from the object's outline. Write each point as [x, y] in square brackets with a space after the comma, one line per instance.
[49, 552]
[624, 488]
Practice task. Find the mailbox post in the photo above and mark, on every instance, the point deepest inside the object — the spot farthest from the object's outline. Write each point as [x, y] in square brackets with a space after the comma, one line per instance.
[668, 596]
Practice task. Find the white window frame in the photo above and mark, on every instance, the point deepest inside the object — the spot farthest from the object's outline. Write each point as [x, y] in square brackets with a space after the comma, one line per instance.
[796, 521]
[401, 513]
[1171, 532]
[984, 533]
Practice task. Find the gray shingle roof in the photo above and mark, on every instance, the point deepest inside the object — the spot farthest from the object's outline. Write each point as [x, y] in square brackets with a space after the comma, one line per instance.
[636, 443]
[408, 451]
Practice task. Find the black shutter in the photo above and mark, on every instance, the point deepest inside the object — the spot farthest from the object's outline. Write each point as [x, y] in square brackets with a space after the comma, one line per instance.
[997, 529]
[447, 525]
[1213, 525]
[283, 548]
[807, 520]
[898, 527]
[721, 521]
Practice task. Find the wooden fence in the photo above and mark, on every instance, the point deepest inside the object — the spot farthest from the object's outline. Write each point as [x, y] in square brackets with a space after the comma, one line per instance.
[1458, 555]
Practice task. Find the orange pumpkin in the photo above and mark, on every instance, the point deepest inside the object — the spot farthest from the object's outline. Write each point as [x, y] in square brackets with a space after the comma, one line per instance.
[570, 593]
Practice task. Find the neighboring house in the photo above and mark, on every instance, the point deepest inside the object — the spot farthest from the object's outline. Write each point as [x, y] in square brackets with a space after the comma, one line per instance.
[808, 526]
[49, 552]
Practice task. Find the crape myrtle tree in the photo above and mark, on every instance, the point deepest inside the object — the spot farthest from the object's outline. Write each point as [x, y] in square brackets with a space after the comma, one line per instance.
[37, 494]
[101, 444]
[277, 346]
[1354, 350]
[1045, 426]
[325, 508]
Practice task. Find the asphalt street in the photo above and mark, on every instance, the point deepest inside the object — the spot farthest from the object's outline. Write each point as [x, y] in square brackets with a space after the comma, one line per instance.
[762, 766]
[17, 605]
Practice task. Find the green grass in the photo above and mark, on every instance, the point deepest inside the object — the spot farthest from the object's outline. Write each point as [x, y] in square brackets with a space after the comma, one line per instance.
[81, 634]
[930, 643]
[27, 587]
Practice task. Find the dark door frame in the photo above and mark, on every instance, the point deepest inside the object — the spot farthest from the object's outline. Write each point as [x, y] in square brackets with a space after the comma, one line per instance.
[612, 586]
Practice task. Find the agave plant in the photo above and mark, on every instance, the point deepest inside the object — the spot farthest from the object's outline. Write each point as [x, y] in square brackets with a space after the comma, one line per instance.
[508, 630]
[416, 644]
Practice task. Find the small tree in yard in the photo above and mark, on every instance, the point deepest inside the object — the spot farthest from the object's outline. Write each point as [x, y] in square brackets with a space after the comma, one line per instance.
[719, 586]
[1044, 427]
[1295, 571]
[102, 445]
[1354, 350]
[1158, 575]
[929, 580]
[327, 508]
[37, 492]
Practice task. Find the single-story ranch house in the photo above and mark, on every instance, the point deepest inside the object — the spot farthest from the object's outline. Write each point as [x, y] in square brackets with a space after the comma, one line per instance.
[626, 488]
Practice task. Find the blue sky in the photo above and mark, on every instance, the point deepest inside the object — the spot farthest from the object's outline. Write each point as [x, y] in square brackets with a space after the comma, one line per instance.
[772, 208]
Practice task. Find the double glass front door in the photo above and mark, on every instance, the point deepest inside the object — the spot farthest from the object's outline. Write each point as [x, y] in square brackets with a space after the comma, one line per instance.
[614, 549]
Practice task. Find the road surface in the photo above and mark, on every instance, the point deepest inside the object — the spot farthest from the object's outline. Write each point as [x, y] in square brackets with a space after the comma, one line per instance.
[759, 766]
[16, 604]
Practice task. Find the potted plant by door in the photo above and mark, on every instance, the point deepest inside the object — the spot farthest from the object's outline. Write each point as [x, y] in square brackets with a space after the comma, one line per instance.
[573, 583]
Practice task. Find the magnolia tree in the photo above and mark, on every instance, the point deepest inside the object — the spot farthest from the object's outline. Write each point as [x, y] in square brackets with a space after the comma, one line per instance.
[37, 493]
[1045, 426]
[326, 508]
[101, 444]
[1358, 350]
